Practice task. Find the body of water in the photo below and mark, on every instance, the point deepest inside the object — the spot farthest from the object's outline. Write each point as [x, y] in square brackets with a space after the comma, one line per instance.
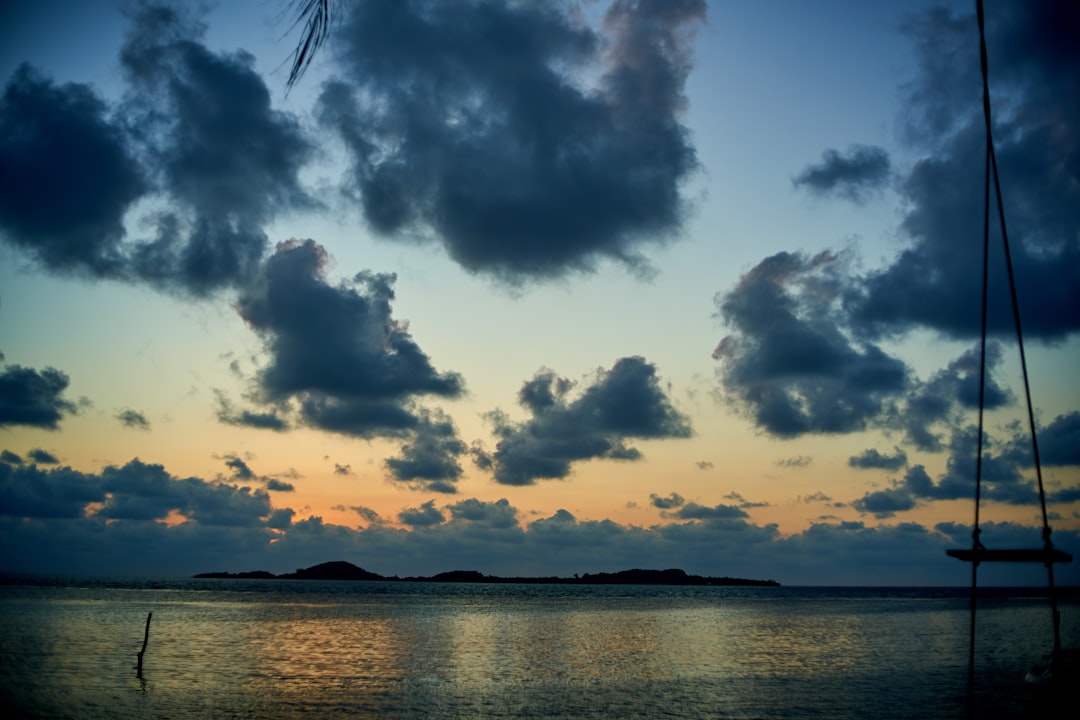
[291, 649]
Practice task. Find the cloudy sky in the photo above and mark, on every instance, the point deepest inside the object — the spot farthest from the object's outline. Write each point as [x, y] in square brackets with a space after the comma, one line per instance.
[533, 288]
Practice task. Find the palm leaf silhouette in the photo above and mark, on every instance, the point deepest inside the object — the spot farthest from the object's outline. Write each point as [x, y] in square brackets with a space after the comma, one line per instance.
[317, 17]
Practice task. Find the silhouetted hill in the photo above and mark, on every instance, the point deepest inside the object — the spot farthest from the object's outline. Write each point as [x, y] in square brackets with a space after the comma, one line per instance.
[337, 570]
[341, 570]
[458, 576]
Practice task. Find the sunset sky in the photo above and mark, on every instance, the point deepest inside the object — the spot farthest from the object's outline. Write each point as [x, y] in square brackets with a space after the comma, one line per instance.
[534, 288]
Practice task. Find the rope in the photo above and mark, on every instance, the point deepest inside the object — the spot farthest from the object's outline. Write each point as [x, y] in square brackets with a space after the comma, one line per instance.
[992, 168]
[976, 543]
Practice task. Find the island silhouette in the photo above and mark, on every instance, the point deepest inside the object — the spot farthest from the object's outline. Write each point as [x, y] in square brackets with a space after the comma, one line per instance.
[342, 570]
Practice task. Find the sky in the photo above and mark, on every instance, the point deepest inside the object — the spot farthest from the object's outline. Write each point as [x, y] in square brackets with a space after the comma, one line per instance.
[535, 288]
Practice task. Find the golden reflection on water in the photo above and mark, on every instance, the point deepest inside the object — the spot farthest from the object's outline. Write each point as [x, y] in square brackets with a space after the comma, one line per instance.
[444, 655]
[483, 645]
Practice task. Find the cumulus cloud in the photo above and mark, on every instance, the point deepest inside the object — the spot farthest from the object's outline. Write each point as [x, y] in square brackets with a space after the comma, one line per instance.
[621, 404]
[424, 516]
[224, 156]
[497, 515]
[337, 360]
[133, 419]
[672, 501]
[240, 469]
[693, 511]
[873, 458]
[42, 457]
[934, 403]
[526, 142]
[368, 514]
[1059, 443]
[278, 485]
[805, 354]
[789, 364]
[798, 363]
[62, 520]
[196, 134]
[67, 176]
[854, 175]
[429, 458]
[935, 281]
[241, 472]
[33, 398]
[137, 492]
[1003, 472]
[228, 413]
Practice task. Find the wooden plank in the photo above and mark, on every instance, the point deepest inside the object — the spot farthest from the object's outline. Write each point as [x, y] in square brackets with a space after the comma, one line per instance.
[1035, 556]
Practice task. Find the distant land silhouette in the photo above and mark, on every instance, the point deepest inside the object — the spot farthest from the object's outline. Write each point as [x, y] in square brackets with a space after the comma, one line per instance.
[341, 570]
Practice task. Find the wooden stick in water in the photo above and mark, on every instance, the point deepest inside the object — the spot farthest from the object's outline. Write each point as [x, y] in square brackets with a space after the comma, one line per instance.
[146, 638]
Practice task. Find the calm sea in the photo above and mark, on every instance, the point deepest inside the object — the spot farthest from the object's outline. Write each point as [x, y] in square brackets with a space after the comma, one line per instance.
[297, 649]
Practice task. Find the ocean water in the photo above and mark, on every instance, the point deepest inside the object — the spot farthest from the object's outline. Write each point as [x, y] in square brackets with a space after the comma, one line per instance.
[298, 649]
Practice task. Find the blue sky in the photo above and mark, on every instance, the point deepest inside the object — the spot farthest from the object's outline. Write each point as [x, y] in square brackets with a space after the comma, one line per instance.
[530, 289]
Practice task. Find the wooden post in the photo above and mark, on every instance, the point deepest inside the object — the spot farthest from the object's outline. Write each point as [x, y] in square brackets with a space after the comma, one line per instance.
[146, 638]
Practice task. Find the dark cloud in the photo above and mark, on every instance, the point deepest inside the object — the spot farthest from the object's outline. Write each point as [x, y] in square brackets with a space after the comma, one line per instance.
[265, 420]
[624, 403]
[32, 397]
[42, 457]
[141, 491]
[704, 465]
[281, 519]
[224, 156]
[10, 458]
[27, 491]
[854, 175]
[429, 458]
[497, 515]
[474, 125]
[133, 419]
[934, 403]
[196, 134]
[1059, 442]
[693, 511]
[886, 503]
[342, 469]
[872, 458]
[335, 352]
[672, 501]
[67, 176]
[935, 281]
[242, 473]
[240, 470]
[424, 516]
[64, 521]
[1003, 479]
[798, 363]
[789, 363]
[137, 492]
[802, 326]
[371, 516]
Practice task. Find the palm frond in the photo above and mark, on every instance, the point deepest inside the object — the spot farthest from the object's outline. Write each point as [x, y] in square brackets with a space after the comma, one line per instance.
[317, 17]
